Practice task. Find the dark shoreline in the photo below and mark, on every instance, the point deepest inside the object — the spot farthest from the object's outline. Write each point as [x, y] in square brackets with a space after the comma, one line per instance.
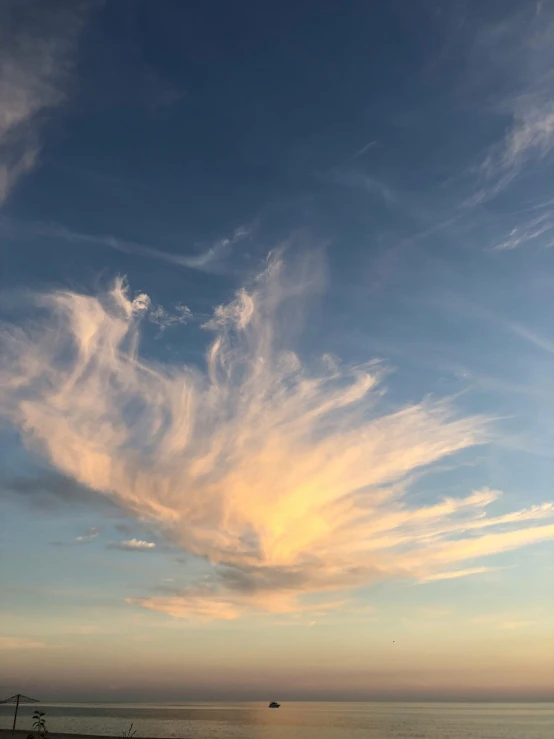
[24, 733]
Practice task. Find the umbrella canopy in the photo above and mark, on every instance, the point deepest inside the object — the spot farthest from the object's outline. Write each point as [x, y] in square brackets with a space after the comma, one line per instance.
[20, 699]
[17, 699]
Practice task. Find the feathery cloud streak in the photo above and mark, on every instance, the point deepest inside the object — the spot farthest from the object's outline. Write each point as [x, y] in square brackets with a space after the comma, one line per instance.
[209, 260]
[538, 230]
[531, 136]
[35, 62]
[522, 40]
[290, 480]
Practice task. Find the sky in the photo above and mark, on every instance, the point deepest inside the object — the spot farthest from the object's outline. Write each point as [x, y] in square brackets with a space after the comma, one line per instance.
[276, 350]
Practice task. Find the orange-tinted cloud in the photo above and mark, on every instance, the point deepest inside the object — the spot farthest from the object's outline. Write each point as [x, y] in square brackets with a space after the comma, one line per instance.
[17, 643]
[290, 479]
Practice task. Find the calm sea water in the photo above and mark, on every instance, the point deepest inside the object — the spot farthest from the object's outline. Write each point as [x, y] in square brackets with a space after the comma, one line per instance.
[300, 720]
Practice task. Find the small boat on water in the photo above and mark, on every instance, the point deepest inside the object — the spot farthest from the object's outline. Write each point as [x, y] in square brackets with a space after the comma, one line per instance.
[274, 704]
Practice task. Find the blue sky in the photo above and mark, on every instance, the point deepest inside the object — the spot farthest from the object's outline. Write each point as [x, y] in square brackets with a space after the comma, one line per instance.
[277, 348]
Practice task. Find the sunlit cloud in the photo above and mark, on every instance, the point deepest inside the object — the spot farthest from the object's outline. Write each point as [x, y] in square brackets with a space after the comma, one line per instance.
[191, 605]
[134, 545]
[456, 573]
[289, 477]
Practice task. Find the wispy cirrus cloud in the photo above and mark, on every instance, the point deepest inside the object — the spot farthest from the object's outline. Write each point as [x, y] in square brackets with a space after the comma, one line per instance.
[165, 319]
[355, 178]
[530, 137]
[37, 49]
[537, 230]
[365, 148]
[520, 47]
[292, 480]
[208, 260]
[531, 134]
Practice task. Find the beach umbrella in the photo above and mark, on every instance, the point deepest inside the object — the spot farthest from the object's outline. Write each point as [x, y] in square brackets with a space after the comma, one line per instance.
[17, 699]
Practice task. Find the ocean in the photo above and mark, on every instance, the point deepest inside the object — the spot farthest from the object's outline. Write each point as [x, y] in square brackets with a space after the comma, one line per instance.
[298, 720]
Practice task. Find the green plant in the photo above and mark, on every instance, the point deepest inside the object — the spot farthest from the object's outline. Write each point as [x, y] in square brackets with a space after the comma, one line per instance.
[129, 733]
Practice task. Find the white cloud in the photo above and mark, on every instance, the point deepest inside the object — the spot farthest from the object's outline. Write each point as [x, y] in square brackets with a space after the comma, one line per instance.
[531, 134]
[89, 535]
[35, 62]
[366, 147]
[136, 544]
[512, 59]
[165, 319]
[538, 230]
[291, 480]
[530, 137]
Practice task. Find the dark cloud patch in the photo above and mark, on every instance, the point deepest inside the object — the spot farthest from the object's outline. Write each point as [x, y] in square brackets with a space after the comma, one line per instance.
[251, 580]
[51, 492]
[171, 590]
[238, 580]
[124, 528]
